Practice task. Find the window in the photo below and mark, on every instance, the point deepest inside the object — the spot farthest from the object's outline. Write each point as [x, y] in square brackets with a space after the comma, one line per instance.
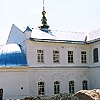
[83, 56]
[95, 55]
[70, 56]
[56, 56]
[71, 86]
[41, 88]
[40, 56]
[56, 87]
[85, 85]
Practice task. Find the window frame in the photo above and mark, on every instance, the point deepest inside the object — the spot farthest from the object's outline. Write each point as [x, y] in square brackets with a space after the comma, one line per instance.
[71, 87]
[41, 88]
[85, 85]
[83, 57]
[56, 56]
[70, 57]
[40, 56]
[95, 55]
[56, 87]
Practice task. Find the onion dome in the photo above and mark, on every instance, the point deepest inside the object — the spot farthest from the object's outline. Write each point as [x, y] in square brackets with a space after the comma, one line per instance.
[12, 55]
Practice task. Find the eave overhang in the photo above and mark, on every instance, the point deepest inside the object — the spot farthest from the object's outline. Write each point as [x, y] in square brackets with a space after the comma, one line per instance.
[65, 41]
[57, 41]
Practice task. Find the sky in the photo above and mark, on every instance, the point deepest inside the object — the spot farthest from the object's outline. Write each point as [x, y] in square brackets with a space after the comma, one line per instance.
[62, 15]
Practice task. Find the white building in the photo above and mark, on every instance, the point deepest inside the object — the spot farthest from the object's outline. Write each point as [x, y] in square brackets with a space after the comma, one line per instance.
[45, 62]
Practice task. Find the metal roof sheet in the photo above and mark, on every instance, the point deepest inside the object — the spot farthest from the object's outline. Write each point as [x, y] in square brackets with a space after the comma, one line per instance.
[12, 55]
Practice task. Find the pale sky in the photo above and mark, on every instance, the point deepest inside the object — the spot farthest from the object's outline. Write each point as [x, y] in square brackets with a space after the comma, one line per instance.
[62, 15]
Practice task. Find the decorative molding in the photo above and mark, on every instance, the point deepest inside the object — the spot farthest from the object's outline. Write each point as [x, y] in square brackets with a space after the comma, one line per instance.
[41, 78]
[56, 76]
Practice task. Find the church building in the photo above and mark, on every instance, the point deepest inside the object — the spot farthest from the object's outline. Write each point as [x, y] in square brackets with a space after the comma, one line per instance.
[44, 62]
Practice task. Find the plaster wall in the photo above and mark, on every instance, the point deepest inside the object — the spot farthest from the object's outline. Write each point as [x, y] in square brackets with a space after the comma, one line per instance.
[22, 82]
[63, 49]
[14, 82]
[94, 77]
[50, 75]
[93, 46]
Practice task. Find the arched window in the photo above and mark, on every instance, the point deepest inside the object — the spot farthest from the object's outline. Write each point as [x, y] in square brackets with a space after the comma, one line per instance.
[85, 85]
[40, 88]
[56, 87]
[95, 55]
[71, 86]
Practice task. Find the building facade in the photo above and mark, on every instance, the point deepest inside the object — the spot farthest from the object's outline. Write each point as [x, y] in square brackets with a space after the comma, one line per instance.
[44, 62]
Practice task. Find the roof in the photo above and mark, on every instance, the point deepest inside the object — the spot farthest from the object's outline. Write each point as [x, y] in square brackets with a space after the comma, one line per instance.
[12, 55]
[49, 35]
[15, 35]
[58, 41]
[58, 35]
[28, 29]
[95, 34]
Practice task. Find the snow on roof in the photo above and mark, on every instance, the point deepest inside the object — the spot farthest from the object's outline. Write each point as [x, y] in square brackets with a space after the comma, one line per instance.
[37, 33]
[17, 36]
[94, 34]
[58, 35]
[11, 55]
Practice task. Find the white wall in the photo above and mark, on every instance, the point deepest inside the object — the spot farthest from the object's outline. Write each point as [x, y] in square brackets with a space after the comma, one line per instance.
[94, 72]
[49, 72]
[94, 77]
[49, 75]
[11, 81]
[92, 46]
[63, 49]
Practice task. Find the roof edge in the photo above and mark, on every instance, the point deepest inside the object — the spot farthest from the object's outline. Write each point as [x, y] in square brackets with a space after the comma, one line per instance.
[58, 41]
[65, 41]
